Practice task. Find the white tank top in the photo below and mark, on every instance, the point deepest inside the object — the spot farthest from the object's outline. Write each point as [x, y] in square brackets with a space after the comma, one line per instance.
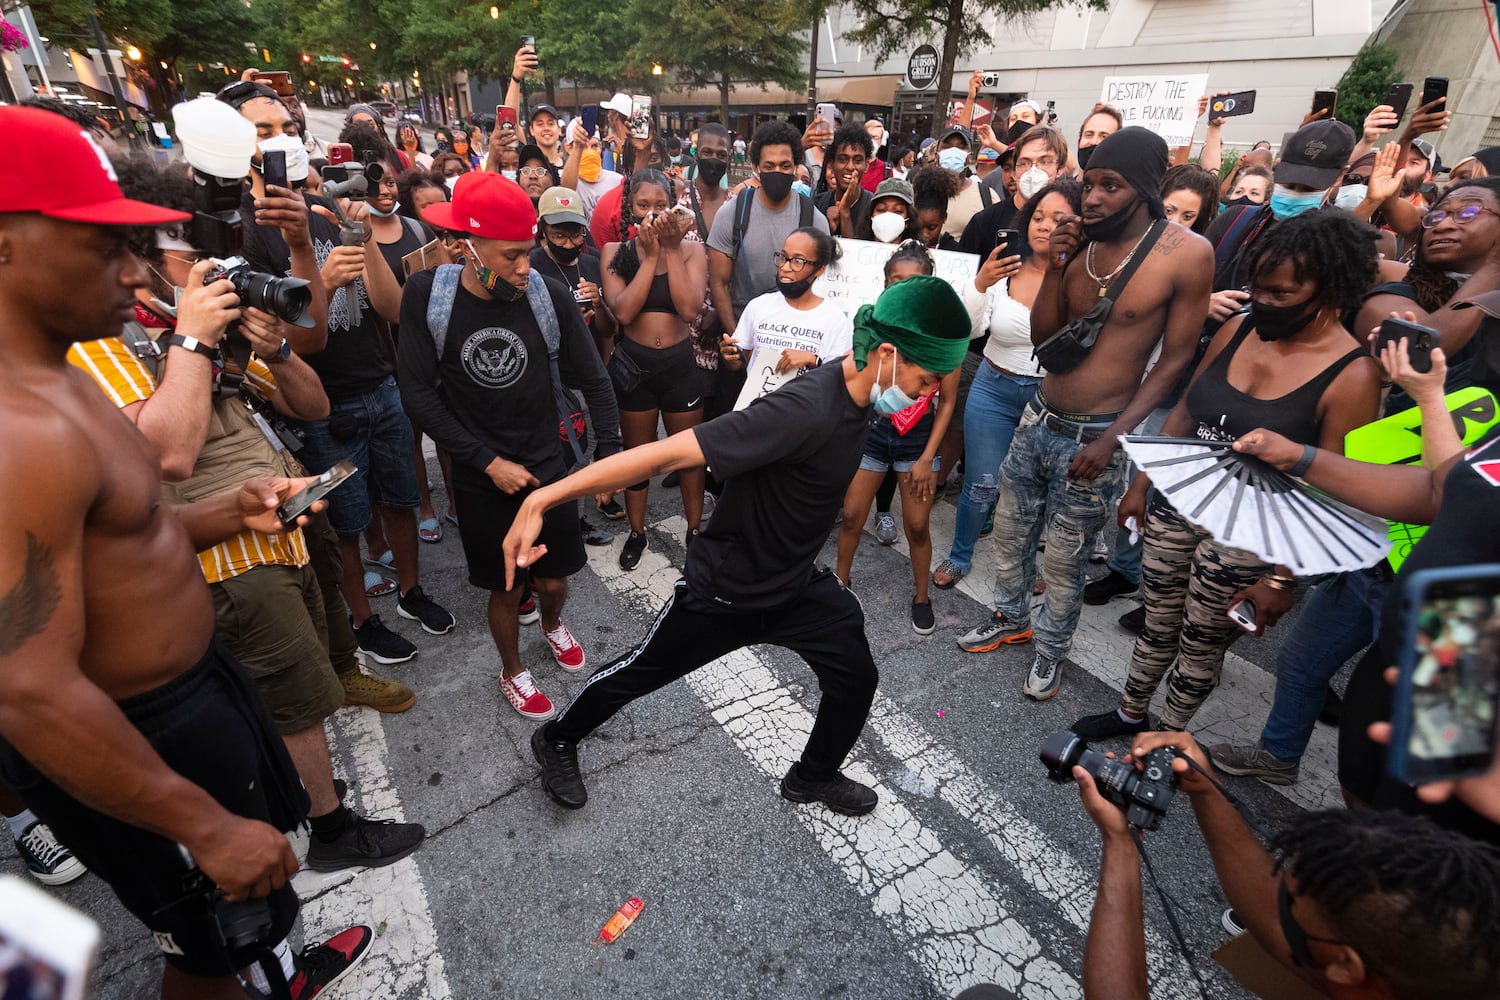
[1009, 324]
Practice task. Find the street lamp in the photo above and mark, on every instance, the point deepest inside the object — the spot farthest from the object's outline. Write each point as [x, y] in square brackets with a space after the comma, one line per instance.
[656, 69]
[494, 13]
[133, 54]
[372, 46]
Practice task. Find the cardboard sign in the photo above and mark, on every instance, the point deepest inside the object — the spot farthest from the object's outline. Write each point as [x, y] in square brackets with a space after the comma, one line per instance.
[1167, 105]
[1397, 440]
[858, 276]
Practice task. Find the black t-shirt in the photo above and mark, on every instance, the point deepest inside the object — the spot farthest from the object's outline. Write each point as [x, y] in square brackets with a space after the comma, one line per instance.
[1462, 534]
[490, 395]
[414, 236]
[587, 268]
[859, 213]
[786, 461]
[979, 234]
[355, 360]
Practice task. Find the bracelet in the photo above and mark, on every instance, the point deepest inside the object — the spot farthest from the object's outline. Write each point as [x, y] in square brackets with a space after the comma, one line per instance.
[1278, 583]
[1304, 463]
[517, 80]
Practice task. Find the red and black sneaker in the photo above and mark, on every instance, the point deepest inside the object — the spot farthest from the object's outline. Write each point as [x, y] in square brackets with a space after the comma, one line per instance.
[321, 966]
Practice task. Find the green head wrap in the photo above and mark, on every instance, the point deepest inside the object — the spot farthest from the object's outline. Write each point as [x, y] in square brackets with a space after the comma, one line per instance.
[922, 317]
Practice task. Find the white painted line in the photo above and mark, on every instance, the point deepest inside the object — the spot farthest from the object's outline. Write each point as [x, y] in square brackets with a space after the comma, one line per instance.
[404, 961]
[949, 918]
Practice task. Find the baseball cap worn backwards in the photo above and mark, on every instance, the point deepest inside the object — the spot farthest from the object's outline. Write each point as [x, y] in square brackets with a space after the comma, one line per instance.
[488, 206]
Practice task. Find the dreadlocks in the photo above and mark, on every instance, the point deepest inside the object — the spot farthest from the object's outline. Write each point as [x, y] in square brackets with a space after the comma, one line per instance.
[1332, 248]
[1421, 905]
[626, 262]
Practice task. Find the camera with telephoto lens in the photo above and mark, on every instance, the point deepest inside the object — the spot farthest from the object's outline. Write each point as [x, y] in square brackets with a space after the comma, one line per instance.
[1144, 795]
[285, 298]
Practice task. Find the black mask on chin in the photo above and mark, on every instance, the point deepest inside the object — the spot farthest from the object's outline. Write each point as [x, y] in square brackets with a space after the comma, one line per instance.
[794, 289]
[711, 170]
[1108, 229]
[776, 184]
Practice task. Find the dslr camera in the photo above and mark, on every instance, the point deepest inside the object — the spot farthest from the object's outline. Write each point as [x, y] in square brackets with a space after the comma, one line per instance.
[1143, 795]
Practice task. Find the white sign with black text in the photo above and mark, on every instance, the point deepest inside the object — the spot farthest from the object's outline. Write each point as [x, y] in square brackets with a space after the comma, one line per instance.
[858, 276]
[1167, 105]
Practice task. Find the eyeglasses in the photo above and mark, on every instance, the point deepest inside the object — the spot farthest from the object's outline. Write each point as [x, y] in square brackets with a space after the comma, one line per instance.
[533, 171]
[1462, 216]
[565, 234]
[189, 261]
[795, 263]
[1046, 163]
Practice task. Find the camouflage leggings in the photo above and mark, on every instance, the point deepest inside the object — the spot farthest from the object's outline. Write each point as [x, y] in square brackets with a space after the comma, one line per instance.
[1189, 582]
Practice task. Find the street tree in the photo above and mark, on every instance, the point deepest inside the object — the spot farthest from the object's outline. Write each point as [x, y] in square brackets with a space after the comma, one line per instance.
[1364, 84]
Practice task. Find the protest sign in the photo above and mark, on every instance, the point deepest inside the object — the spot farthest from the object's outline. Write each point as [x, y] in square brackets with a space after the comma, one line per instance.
[859, 276]
[1167, 105]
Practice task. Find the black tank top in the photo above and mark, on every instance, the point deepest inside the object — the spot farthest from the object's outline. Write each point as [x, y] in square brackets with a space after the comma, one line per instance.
[1223, 413]
[659, 298]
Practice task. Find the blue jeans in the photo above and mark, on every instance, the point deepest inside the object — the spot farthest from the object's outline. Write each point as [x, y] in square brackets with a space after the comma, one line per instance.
[1036, 494]
[1127, 558]
[378, 440]
[1340, 618]
[994, 409]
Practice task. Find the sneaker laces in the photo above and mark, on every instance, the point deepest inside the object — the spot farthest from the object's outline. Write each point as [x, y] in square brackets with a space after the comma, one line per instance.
[318, 958]
[523, 684]
[1042, 669]
[42, 845]
[561, 638]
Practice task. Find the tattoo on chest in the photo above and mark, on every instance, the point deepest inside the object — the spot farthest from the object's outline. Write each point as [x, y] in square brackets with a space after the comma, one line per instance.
[28, 607]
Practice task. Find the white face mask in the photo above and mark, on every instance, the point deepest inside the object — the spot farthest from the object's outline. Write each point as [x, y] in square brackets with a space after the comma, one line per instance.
[450, 181]
[1032, 181]
[1350, 195]
[953, 159]
[887, 226]
[296, 155]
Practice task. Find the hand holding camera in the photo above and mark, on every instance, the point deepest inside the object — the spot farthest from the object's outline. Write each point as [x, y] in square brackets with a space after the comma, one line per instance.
[208, 305]
[245, 858]
[1142, 786]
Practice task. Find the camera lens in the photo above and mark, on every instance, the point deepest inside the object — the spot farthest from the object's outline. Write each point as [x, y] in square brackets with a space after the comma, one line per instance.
[285, 298]
[374, 172]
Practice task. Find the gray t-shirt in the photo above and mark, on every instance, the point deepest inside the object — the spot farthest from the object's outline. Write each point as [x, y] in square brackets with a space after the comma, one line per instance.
[765, 232]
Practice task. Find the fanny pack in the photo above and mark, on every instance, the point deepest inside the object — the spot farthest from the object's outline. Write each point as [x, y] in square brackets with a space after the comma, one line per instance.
[623, 370]
[1066, 349]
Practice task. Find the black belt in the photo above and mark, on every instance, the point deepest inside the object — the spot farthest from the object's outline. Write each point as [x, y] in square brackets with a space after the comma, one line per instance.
[1082, 433]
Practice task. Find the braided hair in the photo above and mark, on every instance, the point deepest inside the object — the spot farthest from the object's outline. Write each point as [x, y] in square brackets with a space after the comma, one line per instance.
[1420, 904]
[910, 251]
[626, 261]
[1332, 248]
[1432, 284]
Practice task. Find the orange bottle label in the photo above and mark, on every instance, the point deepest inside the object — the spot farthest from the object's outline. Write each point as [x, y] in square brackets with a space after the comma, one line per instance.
[622, 919]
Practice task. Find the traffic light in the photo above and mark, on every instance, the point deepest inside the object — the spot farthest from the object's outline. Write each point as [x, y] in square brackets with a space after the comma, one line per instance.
[345, 60]
[306, 58]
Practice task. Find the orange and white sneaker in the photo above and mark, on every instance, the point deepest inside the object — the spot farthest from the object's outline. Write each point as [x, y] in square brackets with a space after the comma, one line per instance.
[522, 693]
[565, 648]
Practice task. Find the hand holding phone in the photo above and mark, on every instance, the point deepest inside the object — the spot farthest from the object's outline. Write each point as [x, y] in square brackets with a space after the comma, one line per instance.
[1434, 88]
[590, 115]
[273, 168]
[1010, 239]
[1325, 103]
[1243, 615]
[505, 118]
[298, 504]
[1233, 105]
[1397, 97]
[1420, 341]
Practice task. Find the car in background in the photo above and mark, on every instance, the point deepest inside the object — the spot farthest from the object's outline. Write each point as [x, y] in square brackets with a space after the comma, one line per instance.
[387, 109]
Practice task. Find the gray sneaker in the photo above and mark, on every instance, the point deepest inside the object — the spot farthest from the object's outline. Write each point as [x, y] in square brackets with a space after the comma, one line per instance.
[885, 528]
[1254, 762]
[1044, 680]
[992, 633]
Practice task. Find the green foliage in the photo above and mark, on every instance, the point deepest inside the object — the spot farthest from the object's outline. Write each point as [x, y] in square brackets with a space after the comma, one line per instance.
[1364, 84]
[719, 43]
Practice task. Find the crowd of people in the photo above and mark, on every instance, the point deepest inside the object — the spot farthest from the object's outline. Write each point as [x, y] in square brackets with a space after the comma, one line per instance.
[542, 298]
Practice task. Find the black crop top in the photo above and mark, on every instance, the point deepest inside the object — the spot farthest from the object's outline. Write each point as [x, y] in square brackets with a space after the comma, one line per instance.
[1223, 413]
[659, 298]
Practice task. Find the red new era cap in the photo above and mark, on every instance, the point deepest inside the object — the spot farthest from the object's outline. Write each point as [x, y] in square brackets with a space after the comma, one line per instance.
[488, 206]
[58, 169]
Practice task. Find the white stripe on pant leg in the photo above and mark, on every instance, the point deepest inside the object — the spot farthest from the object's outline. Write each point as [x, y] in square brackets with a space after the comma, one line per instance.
[630, 657]
[951, 920]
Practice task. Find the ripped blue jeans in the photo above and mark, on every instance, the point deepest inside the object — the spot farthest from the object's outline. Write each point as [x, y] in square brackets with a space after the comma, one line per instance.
[1036, 495]
[996, 402]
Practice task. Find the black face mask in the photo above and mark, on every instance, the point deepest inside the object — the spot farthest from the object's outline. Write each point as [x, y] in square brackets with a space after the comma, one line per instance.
[1280, 322]
[1084, 155]
[1108, 229]
[794, 289]
[776, 185]
[563, 254]
[711, 170]
[1241, 200]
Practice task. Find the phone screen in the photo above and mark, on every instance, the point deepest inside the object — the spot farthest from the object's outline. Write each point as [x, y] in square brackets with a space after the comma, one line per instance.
[1450, 676]
[296, 505]
[505, 117]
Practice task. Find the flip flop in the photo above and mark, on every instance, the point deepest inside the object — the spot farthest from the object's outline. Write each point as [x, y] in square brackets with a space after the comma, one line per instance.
[430, 530]
[377, 585]
[951, 571]
[386, 561]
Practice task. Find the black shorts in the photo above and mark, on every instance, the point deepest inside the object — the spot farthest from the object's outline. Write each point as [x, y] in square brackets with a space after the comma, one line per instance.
[669, 379]
[486, 514]
[211, 728]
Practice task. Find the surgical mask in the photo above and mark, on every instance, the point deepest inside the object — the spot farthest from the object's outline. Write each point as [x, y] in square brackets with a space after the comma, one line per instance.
[296, 155]
[590, 165]
[676, 160]
[510, 175]
[1109, 228]
[953, 159]
[1281, 322]
[887, 226]
[501, 290]
[1288, 204]
[384, 215]
[1350, 195]
[794, 289]
[711, 170]
[802, 188]
[1032, 181]
[776, 184]
[449, 181]
[892, 400]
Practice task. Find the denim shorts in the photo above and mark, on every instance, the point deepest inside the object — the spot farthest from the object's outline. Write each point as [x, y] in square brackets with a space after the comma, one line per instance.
[886, 450]
[377, 438]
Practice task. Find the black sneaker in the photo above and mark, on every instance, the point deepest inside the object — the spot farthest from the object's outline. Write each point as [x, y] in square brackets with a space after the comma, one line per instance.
[380, 644]
[1107, 725]
[422, 609]
[1134, 622]
[49, 862]
[630, 553]
[842, 795]
[612, 510]
[593, 535]
[1107, 588]
[560, 775]
[320, 966]
[922, 621]
[365, 843]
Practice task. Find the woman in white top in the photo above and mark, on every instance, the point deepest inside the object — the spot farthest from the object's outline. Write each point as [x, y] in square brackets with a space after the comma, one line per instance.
[1010, 374]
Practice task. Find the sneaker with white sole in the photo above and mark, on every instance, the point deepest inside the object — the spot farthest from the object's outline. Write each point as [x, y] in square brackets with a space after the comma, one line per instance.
[995, 631]
[1044, 680]
[1232, 923]
[565, 649]
[416, 606]
[1101, 549]
[922, 619]
[710, 504]
[885, 528]
[524, 697]
[528, 613]
[380, 644]
[49, 862]
[321, 966]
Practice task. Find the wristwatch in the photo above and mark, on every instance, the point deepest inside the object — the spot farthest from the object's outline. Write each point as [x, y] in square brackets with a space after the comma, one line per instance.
[192, 344]
[282, 353]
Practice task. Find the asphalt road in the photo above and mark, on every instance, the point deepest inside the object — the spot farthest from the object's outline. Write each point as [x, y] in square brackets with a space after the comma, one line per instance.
[974, 868]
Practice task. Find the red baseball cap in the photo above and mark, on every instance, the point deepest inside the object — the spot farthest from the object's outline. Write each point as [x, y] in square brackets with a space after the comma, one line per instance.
[58, 169]
[488, 206]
